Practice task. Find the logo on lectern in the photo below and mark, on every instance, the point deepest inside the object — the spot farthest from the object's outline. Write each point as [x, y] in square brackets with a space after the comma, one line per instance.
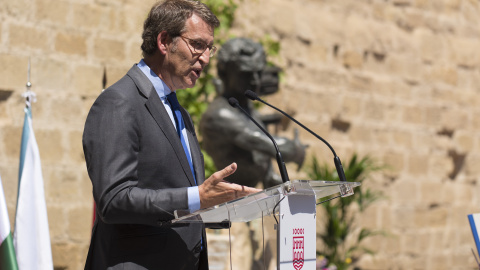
[298, 250]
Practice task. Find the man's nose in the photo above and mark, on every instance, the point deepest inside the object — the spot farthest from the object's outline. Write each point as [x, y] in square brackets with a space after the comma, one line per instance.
[205, 57]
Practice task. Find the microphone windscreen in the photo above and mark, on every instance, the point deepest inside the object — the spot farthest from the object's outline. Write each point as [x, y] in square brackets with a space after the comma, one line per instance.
[233, 102]
[251, 95]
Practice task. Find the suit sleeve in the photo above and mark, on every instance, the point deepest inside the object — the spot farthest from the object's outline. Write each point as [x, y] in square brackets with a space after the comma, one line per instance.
[111, 143]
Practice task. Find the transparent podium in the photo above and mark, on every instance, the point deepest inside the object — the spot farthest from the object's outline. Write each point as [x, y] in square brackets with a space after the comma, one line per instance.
[292, 204]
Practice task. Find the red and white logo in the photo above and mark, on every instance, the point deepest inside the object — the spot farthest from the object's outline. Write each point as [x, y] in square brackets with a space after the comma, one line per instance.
[298, 248]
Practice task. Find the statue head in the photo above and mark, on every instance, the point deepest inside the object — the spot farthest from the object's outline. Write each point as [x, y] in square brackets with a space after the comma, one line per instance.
[241, 62]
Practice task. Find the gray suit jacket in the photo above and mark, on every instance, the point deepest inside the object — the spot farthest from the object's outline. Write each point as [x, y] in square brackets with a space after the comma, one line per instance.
[140, 176]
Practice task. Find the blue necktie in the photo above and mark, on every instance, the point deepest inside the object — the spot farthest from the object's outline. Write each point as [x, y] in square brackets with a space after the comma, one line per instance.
[172, 99]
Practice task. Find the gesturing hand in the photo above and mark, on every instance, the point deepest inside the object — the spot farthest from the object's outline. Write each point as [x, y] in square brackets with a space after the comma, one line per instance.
[215, 190]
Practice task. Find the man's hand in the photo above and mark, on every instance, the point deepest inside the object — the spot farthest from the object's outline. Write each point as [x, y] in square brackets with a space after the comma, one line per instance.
[215, 190]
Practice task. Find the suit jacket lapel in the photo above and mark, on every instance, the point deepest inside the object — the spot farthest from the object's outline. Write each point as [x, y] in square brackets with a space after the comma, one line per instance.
[158, 112]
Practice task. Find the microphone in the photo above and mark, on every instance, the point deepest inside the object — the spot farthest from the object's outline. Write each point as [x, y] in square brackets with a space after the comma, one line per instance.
[281, 165]
[338, 164]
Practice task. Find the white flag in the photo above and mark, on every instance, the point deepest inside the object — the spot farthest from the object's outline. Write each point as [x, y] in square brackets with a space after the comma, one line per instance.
[31, 237]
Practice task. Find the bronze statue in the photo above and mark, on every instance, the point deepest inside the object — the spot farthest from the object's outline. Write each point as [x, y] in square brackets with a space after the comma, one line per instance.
[228, 135]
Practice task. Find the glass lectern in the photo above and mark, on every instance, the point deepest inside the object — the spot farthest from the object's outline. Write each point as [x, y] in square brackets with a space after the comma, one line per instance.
[293, 206]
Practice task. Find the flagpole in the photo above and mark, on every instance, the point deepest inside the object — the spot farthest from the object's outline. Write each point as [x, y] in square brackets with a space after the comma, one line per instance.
[31, 237]
[29, 95]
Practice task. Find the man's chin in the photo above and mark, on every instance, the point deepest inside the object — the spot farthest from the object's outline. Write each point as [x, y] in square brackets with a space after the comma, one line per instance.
[191, 83]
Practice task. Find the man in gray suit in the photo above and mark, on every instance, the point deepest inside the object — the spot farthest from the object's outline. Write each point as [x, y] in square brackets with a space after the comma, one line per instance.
[142, 154]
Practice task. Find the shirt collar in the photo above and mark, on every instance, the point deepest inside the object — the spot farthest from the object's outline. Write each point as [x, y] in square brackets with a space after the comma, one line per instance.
[159, 85]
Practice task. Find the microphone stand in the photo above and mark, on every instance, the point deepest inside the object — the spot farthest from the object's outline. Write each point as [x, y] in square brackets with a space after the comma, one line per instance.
[281, 164]
[338, 164]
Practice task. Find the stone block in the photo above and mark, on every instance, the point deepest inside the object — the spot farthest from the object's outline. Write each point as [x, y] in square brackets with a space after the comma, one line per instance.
[368, 218]
[90, 16]
[404, 218]
[56, 11]
[13, 71]
[68, 113]
[471, 164]
[358, 32]
[455, 118]
[318, 52]
[431, 217]
[12, 137]
[462, 261]
[26, 37]
[360, 134]
[439, 261]
[67, 255]
[444, 94]
[465, 51]
[352, 106]
[85, 186]
[282, 18]
[19, 9]
[375, 109]
[395, 162]
[432, 192]
[382, 136]
[75, 151]
[330, 104]
[440, 239]
[434, 114]
[361, 83]
[418, 164]
[464, 141]
[88, 80]
[402, 138]
[406, 67]
[440, 166]
[413, 114]
[115, 73]
[62, 186]
[392, 88]
[352, 59]
[321, 77]
[410, 243]
[441, 74]
[50, 146]
[68, 43]
[50, 75]
[80, 223]
[432, 46]
[405, 192]
[131, 18]
[40, 111]
[56, 222]
[386, 217]
[134, 52]
[109, 49]
[459, 211]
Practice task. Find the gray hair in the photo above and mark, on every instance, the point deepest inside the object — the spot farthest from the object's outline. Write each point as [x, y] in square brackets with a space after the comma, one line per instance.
[170, 16]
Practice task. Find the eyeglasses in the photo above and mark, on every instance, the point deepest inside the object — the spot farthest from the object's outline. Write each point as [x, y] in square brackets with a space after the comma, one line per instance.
[199, 46]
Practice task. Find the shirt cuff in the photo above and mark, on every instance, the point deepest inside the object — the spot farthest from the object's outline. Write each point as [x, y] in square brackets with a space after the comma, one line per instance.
[193, 199]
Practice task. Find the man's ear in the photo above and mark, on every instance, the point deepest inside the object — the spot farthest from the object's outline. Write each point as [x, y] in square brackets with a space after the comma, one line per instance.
[163, 40]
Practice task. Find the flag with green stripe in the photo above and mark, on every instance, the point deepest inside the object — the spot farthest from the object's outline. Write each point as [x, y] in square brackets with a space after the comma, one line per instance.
[8, 261]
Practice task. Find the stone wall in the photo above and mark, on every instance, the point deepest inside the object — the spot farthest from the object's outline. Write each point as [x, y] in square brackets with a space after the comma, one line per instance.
[398, 80]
